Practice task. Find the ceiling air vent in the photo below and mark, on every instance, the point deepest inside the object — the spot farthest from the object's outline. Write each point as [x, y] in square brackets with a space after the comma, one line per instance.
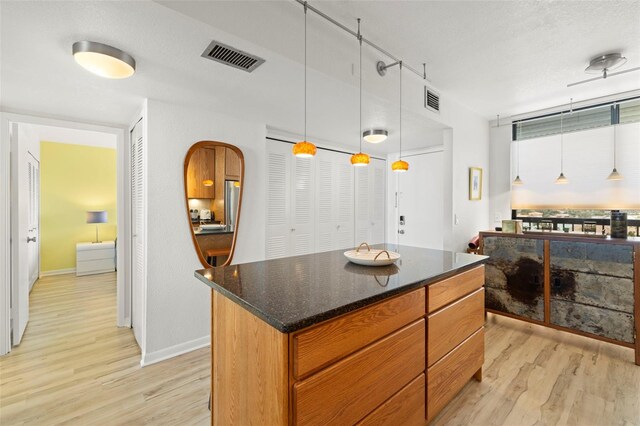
[231, 56]
[431, 100]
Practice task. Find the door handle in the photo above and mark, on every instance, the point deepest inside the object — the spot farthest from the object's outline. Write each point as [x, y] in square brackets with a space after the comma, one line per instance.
[30, 240]
[293, 229]
[400, 231]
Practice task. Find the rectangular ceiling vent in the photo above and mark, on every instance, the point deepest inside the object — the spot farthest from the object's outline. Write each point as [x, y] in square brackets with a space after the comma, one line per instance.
[431, 100]
[231, 56]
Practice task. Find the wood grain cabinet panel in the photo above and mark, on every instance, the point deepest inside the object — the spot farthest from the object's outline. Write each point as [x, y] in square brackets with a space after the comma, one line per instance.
[448, 327]
[328, 342]
[452, 289]
[451, 373]
[350, 389]
[406, 408]
[232, 165]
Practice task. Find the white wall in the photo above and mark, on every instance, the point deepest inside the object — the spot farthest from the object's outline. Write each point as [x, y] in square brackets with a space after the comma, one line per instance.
[178, 305]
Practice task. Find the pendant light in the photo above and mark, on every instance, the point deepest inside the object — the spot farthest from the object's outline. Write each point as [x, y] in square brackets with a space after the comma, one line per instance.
[562, 179]
[103, 60]
[517, 181]
[614, 175]
[305, 149]
[360, 159]
[400, 166]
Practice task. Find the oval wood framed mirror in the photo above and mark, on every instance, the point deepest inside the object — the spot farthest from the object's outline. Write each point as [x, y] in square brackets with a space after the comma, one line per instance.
[213, 185]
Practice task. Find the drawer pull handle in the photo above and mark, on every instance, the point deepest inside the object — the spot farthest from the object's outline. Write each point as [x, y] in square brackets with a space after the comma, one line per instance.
[364, 244]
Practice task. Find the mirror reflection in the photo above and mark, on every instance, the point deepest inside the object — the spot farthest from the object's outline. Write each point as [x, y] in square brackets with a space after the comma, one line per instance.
[213, 186]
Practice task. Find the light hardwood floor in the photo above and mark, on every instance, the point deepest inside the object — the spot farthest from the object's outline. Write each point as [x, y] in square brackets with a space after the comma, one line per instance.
[75, 367]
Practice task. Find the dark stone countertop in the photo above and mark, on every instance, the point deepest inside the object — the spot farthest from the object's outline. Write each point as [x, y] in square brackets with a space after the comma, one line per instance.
[296, 292]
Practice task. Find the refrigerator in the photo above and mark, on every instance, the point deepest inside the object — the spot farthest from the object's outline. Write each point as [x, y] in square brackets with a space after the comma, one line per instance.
[231, 195]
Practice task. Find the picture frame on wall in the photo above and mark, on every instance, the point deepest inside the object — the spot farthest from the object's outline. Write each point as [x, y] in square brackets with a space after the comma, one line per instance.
[475, 183]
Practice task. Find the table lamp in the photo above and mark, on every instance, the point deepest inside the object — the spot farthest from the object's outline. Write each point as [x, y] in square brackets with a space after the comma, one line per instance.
[97, 216]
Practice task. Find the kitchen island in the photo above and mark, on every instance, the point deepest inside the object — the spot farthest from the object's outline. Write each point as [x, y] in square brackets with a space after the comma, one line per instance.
[315, 339]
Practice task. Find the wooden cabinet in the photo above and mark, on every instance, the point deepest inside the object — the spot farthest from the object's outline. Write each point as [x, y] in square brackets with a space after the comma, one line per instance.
[232, 165]
[365, 367]
[201, 167]
[455, 336]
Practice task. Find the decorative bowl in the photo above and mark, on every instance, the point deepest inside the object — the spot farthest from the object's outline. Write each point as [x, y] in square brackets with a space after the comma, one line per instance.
[371, 257]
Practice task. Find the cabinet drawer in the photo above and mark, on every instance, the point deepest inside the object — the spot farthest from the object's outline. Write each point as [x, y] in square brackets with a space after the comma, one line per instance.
[404, 408]
[83, 255]
[347, 391]
[328, 342]
[452, 289]
[451, 373]
[95, 266]
[448, 327]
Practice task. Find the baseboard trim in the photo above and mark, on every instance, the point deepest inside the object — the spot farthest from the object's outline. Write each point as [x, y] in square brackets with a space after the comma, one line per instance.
[57, 272]
[173, 351]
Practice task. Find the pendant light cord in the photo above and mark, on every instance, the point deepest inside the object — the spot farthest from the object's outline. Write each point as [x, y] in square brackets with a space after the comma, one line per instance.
[561, 145]
[360, 128]
[305, 71]
[400, 110]
[518, 146]
[615, 106]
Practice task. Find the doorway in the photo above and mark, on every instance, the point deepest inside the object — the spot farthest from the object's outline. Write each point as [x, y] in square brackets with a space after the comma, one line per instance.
[419, 213]
[26, 135]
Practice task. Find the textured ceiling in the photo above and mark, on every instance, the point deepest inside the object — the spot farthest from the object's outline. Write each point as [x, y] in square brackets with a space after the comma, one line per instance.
[493, 57]
[496, 57]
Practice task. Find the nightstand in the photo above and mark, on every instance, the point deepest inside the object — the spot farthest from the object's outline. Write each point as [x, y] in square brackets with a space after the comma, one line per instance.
[95, 258]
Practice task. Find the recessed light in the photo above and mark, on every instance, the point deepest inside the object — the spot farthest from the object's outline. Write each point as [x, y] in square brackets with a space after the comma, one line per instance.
[103, 60]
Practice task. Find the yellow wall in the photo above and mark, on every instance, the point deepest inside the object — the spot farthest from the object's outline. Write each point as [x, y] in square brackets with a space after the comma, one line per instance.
[74, 179]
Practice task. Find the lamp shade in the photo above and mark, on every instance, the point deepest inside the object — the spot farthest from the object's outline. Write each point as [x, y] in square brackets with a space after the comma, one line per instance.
[304, 149]
[400, 166]
[103, 60]
[360, 159]
[97, 216]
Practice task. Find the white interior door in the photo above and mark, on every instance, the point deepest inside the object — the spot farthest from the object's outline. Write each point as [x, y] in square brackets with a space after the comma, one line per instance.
[138, 252]
[33, 229]
[325, 192]
[303, 206]
[278, 233]
[421, 201]
[344, 201]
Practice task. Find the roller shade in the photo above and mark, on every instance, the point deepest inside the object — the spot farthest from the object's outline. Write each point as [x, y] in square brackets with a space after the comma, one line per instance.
[588, 160]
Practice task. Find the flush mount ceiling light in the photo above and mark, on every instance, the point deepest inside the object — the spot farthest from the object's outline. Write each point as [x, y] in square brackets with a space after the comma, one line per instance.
[400, 166]
[360, 159]
[305, 149]
[375, 135]
[103, 60]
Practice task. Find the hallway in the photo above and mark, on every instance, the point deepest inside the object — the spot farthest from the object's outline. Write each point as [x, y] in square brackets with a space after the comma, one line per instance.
[75, 366]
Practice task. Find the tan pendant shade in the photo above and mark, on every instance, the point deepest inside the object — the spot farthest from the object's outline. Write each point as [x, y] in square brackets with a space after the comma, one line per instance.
[562, 180]
[517, 181]
[304, 149]
[360, 159]
[400, 166]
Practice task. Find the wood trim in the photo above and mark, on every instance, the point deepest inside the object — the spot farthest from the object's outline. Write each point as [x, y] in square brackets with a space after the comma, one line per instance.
[636, 295]
[569, 330]
[547, 281]
[563, 237]
[316, 347]
[250, 363]
[212, 144]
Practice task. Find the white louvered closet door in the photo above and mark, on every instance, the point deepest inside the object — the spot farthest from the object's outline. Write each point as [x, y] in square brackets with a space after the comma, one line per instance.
[327, 222]
[303, 208]
[377, 192]
[138, 228]
[278, 233]
[362, 214]
[343, 202]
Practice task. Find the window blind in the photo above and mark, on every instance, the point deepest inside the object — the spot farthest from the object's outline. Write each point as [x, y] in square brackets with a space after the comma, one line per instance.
[588, 160]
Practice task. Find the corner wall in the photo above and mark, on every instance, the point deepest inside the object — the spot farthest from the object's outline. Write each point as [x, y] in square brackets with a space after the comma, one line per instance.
[178, 305]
